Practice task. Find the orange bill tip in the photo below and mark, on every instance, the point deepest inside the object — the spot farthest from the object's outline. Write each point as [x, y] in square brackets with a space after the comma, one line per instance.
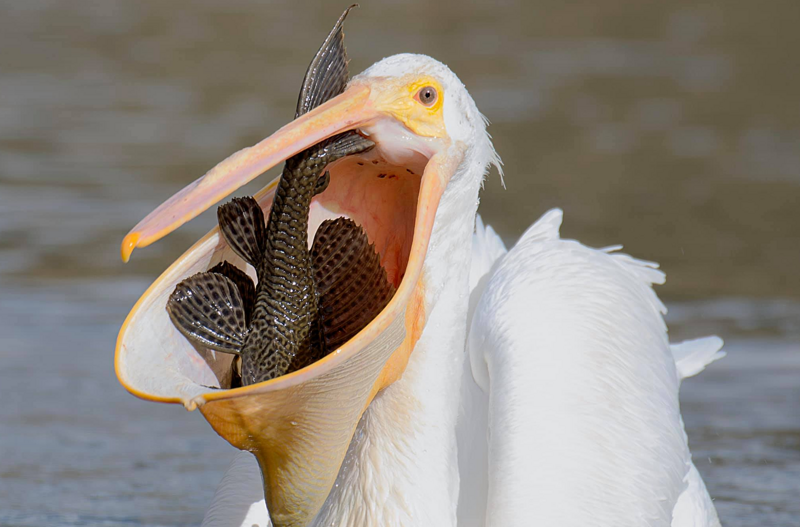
[129, 243]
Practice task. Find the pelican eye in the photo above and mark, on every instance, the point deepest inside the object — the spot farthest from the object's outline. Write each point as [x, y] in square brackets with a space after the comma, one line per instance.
[427, 95]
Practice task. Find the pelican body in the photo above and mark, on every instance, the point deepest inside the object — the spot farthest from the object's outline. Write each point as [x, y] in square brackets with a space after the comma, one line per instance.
[528, 387]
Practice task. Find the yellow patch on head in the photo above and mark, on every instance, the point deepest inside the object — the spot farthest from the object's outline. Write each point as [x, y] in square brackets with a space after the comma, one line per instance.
[415, 101]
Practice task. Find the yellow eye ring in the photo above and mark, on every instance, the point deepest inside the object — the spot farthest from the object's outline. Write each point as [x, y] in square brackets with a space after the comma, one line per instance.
[427, 96]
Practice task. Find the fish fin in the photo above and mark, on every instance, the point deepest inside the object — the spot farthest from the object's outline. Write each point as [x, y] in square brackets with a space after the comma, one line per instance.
[326, 76]
[351, 283]
[337, 147]
[322, 183]
[241, 222]
[346, 144]
[207, 309]
[244, 284]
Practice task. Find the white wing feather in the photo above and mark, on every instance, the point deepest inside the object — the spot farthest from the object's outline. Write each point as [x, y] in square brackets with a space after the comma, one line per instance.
[583, 415]
[692, 356]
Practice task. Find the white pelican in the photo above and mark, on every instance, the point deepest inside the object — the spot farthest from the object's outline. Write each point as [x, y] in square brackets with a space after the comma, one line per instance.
[534, 387]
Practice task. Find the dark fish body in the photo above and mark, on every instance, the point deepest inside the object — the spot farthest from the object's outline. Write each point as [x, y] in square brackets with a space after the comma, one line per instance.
[285, 333]
[295, 315]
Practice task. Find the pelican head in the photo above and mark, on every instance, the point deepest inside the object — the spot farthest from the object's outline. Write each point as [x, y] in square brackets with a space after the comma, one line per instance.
[431, 153]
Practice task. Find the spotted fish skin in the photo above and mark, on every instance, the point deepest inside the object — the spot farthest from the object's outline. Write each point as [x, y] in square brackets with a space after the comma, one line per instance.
[285, 333]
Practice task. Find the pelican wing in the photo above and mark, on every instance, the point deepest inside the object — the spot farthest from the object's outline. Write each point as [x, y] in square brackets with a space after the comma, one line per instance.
[584, 428]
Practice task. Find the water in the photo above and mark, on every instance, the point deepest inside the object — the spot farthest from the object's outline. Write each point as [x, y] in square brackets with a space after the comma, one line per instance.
[672, 128]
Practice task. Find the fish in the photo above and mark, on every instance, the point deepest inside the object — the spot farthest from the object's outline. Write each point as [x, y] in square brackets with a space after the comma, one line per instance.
[307, 301]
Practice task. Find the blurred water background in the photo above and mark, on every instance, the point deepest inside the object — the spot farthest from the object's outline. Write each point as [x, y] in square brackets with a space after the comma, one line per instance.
[670, 127]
